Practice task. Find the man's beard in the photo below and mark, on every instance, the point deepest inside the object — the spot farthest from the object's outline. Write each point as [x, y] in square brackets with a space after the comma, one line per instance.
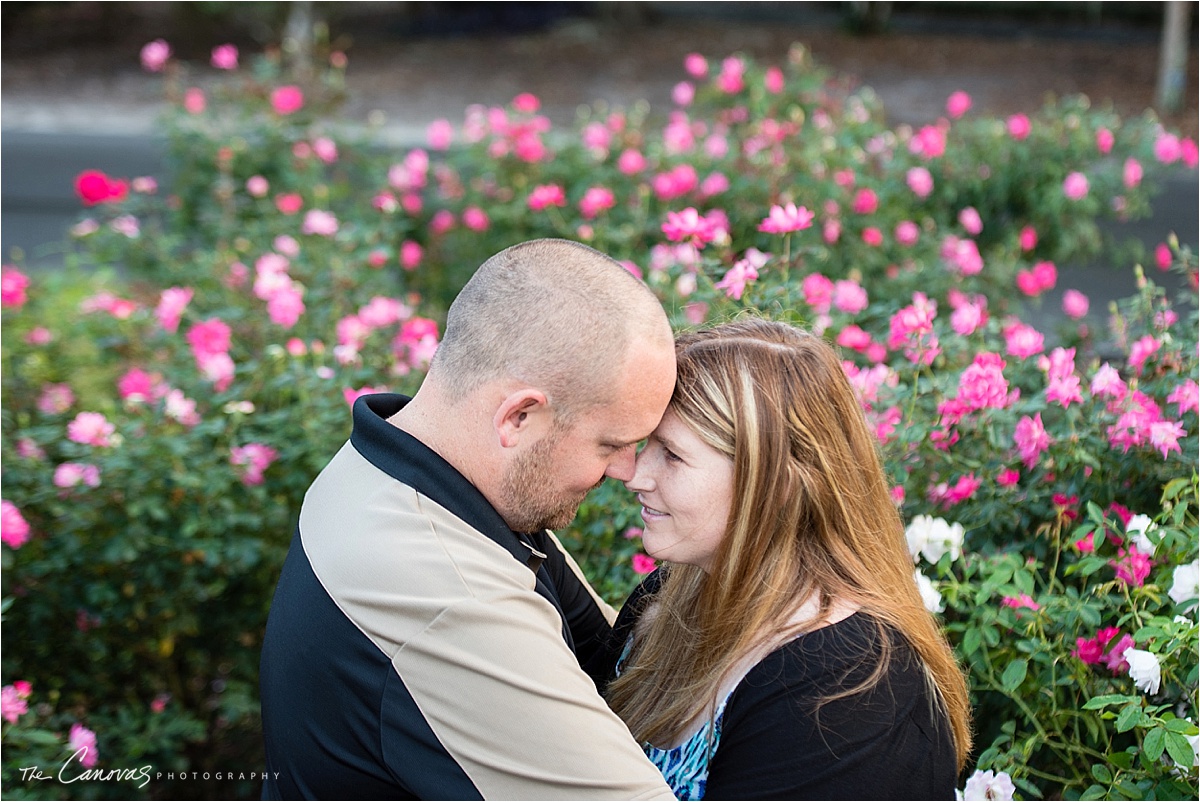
[529, 503]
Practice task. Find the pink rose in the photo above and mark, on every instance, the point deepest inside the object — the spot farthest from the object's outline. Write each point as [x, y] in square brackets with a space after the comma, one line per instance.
[1167, 148]
[171, 304]
[289, 203]
[773, 80]
[683, 93]
[319, 223]
[695, 65]
[546, 195]
[1162, 256]
[1019, 127]
[784, 219]
[255, 458]
[1104, 140]
[849, 296]
[475, 219]
[13, 284]
[1028, 238]
[257, 186]
[907, 233]
[957, 104]
[595, 201]
[14, 530]
[440, 134]
[225, 57]
[1075, 304]
[865, 202]
[969, 219]
[287, 100]
[12, 706]
[1132, 173]
[526, 103]
[73, 474]
[410, 254]
[194, 101]
[919, 181]
[1031, 439]
[209, 337]
[82, 742]
[643, 563]
[92, 429]
[1075, 186]
[93, 187]
[154, 55]
[631, 162]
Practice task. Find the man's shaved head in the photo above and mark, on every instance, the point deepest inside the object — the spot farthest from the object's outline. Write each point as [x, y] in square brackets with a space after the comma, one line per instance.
[552, 313]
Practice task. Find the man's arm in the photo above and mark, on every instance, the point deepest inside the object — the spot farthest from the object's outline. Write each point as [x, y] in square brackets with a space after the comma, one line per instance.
[506, 699]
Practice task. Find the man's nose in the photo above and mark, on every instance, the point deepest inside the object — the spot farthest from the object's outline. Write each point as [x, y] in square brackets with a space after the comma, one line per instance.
[623, 466]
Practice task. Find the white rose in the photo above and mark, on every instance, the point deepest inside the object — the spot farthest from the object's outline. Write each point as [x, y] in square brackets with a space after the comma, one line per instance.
[929, 594]
[984, 785]
[1144, 670]
[1137, 528]
[933, 537]
[917, 534]
[1185, 582]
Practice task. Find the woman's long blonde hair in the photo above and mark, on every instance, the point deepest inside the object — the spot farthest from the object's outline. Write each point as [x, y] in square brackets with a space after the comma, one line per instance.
[811, 514]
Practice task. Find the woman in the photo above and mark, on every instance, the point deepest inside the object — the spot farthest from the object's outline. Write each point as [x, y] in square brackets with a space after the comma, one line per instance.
[784, 651]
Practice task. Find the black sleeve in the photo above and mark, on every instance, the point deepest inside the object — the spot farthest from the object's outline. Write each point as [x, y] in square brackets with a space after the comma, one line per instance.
[588, 625]
[776, 743]
[602, 665]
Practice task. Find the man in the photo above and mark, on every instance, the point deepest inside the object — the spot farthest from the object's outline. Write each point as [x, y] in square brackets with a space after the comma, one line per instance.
[426, 635]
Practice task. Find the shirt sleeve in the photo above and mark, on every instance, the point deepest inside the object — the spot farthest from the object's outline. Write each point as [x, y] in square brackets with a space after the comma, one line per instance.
[589, 618]
[507, 700]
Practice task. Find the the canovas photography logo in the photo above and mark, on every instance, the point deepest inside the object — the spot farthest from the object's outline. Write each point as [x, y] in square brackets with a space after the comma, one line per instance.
[75, 770]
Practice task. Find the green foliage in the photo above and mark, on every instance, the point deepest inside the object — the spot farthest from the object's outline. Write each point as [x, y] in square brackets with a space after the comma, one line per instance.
[137, 605]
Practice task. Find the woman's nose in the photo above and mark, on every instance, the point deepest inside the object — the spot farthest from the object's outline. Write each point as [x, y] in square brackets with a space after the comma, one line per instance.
[640, 480]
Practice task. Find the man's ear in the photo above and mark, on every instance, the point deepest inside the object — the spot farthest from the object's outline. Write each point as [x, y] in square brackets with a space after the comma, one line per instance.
[521, 413]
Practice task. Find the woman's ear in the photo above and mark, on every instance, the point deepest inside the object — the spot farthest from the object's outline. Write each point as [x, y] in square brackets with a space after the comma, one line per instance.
[521, 413]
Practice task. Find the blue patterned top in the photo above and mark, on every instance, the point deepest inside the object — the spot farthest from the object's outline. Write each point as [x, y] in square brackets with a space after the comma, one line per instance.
[685, 767]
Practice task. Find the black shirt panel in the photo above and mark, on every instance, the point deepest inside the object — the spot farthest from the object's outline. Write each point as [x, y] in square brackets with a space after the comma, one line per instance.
[323, 735]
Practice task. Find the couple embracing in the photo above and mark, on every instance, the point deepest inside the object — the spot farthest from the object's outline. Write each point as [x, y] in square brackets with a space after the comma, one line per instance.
[430, 638]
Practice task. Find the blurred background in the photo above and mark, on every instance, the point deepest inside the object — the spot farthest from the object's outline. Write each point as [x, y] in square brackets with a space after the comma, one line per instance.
[74, 95]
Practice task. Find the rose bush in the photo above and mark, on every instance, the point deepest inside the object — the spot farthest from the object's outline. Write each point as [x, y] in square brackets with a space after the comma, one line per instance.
[170, 394]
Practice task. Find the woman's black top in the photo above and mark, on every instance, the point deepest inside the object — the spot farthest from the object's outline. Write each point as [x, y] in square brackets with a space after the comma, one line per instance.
[779, 741]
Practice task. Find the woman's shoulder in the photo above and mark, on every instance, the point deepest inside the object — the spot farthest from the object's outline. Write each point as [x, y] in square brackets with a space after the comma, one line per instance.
[814, 668]
[811, 721]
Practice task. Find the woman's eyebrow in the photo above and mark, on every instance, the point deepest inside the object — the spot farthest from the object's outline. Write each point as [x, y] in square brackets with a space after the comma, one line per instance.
[667, 442]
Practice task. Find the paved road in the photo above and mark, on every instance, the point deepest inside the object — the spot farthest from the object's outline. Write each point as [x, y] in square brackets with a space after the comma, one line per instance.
[37, 206]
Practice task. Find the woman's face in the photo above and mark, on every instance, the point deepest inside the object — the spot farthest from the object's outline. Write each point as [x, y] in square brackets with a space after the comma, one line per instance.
[685, 487]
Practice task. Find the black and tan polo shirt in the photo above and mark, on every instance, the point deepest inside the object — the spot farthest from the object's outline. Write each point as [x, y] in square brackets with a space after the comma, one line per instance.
[414, 650]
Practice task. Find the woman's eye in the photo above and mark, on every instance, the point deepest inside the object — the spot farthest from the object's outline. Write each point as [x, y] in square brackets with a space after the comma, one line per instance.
[671, 456]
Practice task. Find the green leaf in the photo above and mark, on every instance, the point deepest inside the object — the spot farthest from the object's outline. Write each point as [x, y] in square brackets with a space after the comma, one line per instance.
[1155, 743]
[1095, 792]
[1109, 699]
[1180, 750]
[1148, 633]
[971, 642]
[1181, 725]
[1014, 675]
[1129, 717]
[1101, 773]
